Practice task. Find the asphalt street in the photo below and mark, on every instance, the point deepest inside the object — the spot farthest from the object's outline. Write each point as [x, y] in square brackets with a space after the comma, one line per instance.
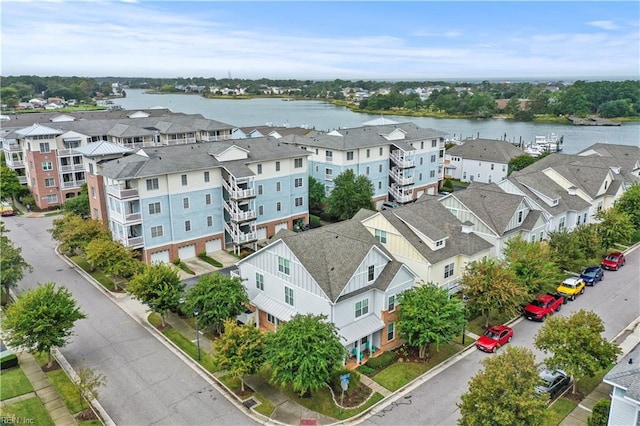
[147, 384]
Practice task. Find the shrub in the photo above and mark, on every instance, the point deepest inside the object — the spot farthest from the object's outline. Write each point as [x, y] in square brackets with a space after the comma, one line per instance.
[447, 185]
[382, 361]
[600, 414]
[366, 370]
[314, 221]
[8, 361]
[176, 261]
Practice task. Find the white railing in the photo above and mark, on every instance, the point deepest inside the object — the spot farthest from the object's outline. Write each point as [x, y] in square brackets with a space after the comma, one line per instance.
[22, 180]
[12, 147]
[399, 177]
[328, 177]
[182, 141]
[133, 242]
[399, 195]
[235, 273]
[15, 163]
[238, 215]
[329, 159]
[236, 193]
[399, 160]
[125, 218]
[72, 168]
[453, 286]
[239, 237]
[215, 138]
[65, 151]
[73, 184]
[122, 193]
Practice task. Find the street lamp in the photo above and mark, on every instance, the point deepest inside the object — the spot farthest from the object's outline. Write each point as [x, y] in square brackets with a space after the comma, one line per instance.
[465, 299]
[195, 314]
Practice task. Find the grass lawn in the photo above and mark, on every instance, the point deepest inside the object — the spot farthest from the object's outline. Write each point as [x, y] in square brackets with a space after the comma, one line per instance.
[67, 390]
[476, 325]
[30, 411]
[102, 278]
[265, 408]
[399, 374]
[559, 410]
[14, 383]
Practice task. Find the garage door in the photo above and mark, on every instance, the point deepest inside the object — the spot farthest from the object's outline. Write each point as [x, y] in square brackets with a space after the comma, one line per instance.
[281, 226]
[262, 233]
[213, 246]
[160, 257]
[187, 252]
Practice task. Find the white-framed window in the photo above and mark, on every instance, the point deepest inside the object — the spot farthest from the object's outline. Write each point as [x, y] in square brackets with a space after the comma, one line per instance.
[288, 295]
[367, 172]
[297, 163]
[183, 178]
[185, 202]
[51, 198]
[156, 231]
[439, 243]
[329, 155]
[273, 320]
[207, 199]
[371, 272]
[492, 165]
[298, 201]
[279, 206]
[152, 184]
[561, 224]
[284, 265]
[278, 186]
[209, 221]
[520, 216]
[259, 169]
[432, 173]
[381, 236]
[207, 177]
[362, 308]
[297, 183]
[93, 192]
[260, 189]
[391, 303]
[541, 235]
[260, 281]
[47, 165]
[533, 238]
[349, 155]
[380, 151]
[433, 158]
[49, 182]
[421, 144]
[277, 166]
[155, 208]
[380, 185]
[449, 270]
[260, 210]
[187, 225]
[368, 153]
[44, 147]
[434, 143]
[504, 168]
[391, 331]
[380, 168]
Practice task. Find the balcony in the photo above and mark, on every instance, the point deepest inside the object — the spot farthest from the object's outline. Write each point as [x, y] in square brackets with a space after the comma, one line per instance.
[237, 193]
[452, 285]
[237, 215]
[66, 151]
[125, 218]
[22, 180]
[15, 164]
[399, 177]
[328, 177]
[401, 195]
[329, 159]
[72, 168]
[13, 147]
[73, 184]
[122, 193]
[214, 138]
[182, 141]
[239, 237]
[133, 242]
[401, 159]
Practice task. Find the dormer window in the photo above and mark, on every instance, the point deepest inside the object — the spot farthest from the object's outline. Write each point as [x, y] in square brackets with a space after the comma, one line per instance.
[381, 236]
[371, 272]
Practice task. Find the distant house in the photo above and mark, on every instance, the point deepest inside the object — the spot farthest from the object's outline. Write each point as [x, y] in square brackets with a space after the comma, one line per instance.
[625, 398]
[480, 160]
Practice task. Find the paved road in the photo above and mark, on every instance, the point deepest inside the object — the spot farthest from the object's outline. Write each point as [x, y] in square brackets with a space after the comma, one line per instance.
[147, 384]
[616, 300]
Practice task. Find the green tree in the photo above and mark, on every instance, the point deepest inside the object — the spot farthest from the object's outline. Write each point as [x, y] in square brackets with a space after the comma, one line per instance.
[600, 413]
[490, 285]
[12, 264]
[520, 162]
[317, 197]
[503, 393]
[217, 298]
[240, 350]
[566, 251]
[79, 205]
[617, 108]
[513, 106]
[588, 240]
[576, 344]
[303, 352]
[74, 233]
[10, 186]
[532, 265]
[42, 319]
[615, 227]
[629, 203]
[113, 258]
[428, 315]
[159, 287]
[350, 194]
[88, 384]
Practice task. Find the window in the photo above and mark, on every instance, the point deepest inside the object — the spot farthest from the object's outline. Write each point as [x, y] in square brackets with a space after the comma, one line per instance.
[185, 203]
[379, 185]
[380, 152]
[492, 166]
[380, 168]
[489, 179]
[439, 243]
[152, 184]
[156, 231]
[297, 163]
[367, 172]
[44, 147]
[278, 186]
[277, 166]
[284, 265]
[209, 221]
[391, 305]
[187, 225]
[260, 281]
[273, 320]
[91, 168]
[298, 183]
[421, 160]
[93, 192]
[49, 182]
[298, 201]
[420, 177]
[349, 155]
[260, 189]
[207, 199]
[328, 174]
[434, 143]
[448, 270]
[381, 236]
[433, 158]
[504, 168]
[95, 213]
[391, 331]
[50, 198]
[279, 206]
[520, 216]
[329, 155]
[288, 296]
[584, 219]
[422, 145]
[362, 308]
[154, 208]
[368, 153]
[259, 169]
[260, 210]
[561, 224]
[183, 178]
[371, 272]
[533, 238]
[47, 165]
[432, 173]
[207, 178]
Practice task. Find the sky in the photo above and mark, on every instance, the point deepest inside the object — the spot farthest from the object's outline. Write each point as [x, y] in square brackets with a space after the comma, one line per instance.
[382, 40]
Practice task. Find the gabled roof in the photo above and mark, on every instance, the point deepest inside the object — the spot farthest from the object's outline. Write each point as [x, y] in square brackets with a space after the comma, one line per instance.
[38, 130]
[101, 148]
[626, 374]
[533, 184]
[486, 150]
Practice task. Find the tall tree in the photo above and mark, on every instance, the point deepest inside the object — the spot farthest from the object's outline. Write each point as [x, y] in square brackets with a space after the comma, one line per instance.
[79, 205]
[42, 319]
[350, 194]
[615, 227]
[428, 315]
[159, 287]
[576, 344]
[566, 251]
[240, 350]
[520, 162]
[503, 393]
[74, 233]
[532, 265]
[629, 203]
[113, 258]
[12, 264]
[303, 352]
[10, 186]
[491, 285]
[317, 197]
[216, 297]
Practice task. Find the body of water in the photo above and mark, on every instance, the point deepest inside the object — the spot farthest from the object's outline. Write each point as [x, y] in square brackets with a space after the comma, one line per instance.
[325, 116]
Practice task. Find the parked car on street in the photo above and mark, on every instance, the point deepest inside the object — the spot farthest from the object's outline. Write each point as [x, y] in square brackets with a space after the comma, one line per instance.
[543, 306]
[553, 382]
[6, 209]
[571, 287]
[592, 275]
[494, 338]
[613, 261]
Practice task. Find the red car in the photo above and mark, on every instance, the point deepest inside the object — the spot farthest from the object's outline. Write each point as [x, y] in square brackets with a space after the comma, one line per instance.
[494, 337]
[614, 261]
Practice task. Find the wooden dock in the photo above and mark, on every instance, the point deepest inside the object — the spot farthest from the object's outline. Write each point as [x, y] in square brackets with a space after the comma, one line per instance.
[592, 121]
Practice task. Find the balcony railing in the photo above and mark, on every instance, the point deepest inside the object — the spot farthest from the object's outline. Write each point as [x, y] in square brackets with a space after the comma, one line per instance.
[453, 286]
[122, 193]
[238, 215]
[399, 177]
[133, 242]
[125, 218]
[328, 177]
[237, 193]
[214, 138]
[15, 164]
[329, 159]
[66, 151]
[12, 147]
[239, 237]
[73, 183]
[22, 180]
[182, 141]
[399, 159]
[401, 195]
[72, 168]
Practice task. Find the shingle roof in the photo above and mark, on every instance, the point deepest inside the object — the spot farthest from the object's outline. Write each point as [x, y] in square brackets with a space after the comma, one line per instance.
[486, 150]
[627, 375]
[545, 185]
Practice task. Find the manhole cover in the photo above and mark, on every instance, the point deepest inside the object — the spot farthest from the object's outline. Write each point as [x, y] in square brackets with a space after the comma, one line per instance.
[250, 402]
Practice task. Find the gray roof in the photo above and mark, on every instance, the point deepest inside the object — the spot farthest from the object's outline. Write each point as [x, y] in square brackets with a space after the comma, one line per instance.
[486, 150]
[627, 375]
[543, 184]
[332, 253]
[165, 160]
[101, 148]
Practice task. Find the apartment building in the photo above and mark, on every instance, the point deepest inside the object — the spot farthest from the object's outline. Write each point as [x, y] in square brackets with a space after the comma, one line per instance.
[402, 160]
[480, 160]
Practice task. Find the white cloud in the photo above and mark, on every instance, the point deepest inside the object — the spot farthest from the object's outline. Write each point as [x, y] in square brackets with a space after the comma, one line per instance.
[605, 25]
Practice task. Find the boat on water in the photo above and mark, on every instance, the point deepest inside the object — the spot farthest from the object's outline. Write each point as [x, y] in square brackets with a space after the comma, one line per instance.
[549, 143]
